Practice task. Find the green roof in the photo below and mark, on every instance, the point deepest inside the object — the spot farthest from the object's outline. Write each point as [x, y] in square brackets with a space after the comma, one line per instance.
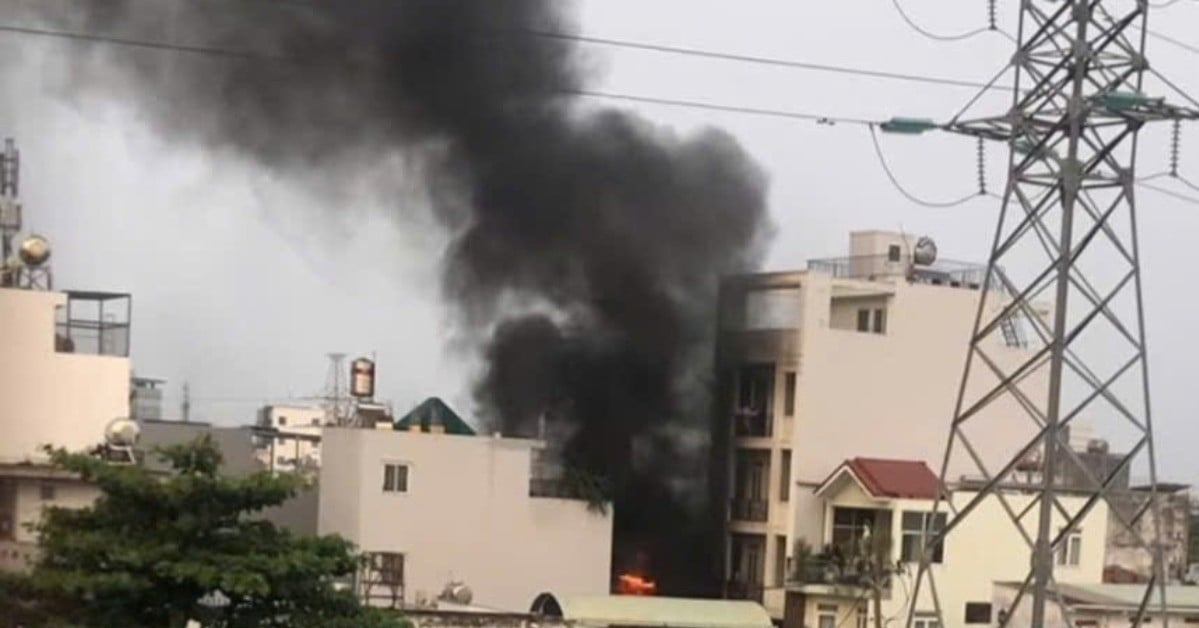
[434, 411]
[661, 612]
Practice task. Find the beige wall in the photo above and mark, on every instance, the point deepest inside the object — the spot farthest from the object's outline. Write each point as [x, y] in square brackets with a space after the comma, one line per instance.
[48, 397]
[467, 516]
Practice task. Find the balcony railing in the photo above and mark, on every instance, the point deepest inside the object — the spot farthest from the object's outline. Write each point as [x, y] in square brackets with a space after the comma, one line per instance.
[750, 510]
[739, 590]
[941, 272]
[750, 423]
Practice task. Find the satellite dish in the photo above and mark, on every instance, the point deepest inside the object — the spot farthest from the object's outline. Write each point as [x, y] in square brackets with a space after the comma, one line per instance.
[34, 250]
[458, 593]
[122, 432]
[925, 252]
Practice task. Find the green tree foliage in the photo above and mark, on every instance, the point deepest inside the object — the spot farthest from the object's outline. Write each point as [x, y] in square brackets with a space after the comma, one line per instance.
[153, 545]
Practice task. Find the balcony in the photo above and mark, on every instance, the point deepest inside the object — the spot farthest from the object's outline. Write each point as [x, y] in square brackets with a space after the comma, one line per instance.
[753, 423]
[740, 590]
[750, 510]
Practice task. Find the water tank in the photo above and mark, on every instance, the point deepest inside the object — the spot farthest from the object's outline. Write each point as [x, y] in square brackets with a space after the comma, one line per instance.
[458, 593]
[925, 252]
[34, 250]
[1097, 446]
[362, 378]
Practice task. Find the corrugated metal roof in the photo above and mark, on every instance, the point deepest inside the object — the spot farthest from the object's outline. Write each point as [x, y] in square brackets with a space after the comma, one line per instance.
[664, 612]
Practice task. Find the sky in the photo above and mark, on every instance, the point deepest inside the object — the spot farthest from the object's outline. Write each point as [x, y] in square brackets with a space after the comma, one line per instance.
[242, 283]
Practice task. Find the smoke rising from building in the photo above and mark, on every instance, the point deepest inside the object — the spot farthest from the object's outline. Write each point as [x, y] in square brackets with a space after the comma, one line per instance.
[585, 242]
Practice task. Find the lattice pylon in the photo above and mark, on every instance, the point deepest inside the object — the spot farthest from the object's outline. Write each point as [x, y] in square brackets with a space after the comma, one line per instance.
[1060, 329]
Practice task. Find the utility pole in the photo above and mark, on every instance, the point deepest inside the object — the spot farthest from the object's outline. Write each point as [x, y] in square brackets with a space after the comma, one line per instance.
[1069, 207]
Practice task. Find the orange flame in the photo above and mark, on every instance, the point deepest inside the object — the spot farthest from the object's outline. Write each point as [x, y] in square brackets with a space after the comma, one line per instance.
[633, 584]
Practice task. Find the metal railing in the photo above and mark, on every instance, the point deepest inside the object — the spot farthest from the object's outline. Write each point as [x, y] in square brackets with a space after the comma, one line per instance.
[750, 509]
[942, 272]
[750, 423]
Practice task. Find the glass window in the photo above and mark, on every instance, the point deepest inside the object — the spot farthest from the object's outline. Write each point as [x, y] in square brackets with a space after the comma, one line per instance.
[978, 612]
[863, 320]
[850, 525]
[395, 478]
[893, 252]
[913, 528]
[785, 476]
[828, 621]
[780, 560]
[880, 321]
[1069, 553]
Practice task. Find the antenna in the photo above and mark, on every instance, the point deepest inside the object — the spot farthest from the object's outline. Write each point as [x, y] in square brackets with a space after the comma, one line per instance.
[335, 398]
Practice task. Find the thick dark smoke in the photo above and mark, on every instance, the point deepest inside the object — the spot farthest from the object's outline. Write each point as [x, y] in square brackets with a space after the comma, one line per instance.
[586, 242]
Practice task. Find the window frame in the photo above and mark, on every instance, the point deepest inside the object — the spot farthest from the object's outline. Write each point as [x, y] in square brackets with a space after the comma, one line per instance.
[906, 533]
[1069, 554]
[789, 384]
[977, 608]
[785, 475]
[878, 321]
[894, 253]
[864, 320]
[391, 477]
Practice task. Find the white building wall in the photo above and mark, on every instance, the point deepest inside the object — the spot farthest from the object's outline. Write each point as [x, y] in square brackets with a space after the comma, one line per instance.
[466, 516]
[48, 397]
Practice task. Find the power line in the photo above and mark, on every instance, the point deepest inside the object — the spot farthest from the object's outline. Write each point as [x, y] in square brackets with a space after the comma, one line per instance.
[882, 160]
[254, 56]
[1171, 40]
[789, 63]
[1169, 192]
[956, 37]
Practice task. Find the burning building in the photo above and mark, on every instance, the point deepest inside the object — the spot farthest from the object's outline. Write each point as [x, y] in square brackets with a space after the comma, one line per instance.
[585, 242]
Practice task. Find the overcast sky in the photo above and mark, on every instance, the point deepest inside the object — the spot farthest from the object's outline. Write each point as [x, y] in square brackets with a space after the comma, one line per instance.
[241, 290]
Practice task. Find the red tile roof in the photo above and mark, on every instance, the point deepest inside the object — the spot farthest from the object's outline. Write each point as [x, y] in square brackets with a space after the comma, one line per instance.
[895, 479]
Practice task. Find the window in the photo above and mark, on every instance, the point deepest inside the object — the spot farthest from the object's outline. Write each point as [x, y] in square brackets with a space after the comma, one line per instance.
[395, 478]
[913, 528]
[388, 567]
[827, 615]
[1069, 552]
[789, 394]
[851, 525]
[893, 253]
[8, 509]
[754, 400]
[880, 321]
[282, 420]
[863, 319]
[785, 476]
[926, 622]
[780, 560]
[48, 492]
[978, 612]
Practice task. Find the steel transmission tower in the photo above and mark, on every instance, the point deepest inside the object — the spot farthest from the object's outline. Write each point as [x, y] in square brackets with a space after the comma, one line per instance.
[1060, 329]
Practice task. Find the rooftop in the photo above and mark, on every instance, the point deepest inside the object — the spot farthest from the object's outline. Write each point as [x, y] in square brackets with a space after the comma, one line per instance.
[639, 610]
[888, 479]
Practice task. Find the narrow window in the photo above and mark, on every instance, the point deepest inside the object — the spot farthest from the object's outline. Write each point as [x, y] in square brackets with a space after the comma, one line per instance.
[880, 321]
[863, 320]
[893, 253]
[785, 476]
[780, 560]
[789, 394]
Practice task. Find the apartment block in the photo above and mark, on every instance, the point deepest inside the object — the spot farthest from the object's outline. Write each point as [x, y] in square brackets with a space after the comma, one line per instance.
[855, 356]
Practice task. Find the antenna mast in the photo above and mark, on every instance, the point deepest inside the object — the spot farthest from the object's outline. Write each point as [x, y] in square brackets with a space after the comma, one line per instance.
[1069, 206]
[336, 399]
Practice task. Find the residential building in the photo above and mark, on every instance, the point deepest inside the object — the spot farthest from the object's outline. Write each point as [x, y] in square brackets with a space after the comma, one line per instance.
[1128, 559]
[145, 403]
[289, 438]
[872, 516]
[430, 508]
[64, 376]
[856, 356]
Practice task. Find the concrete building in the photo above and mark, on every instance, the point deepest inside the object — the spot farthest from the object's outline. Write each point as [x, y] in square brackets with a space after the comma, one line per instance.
[64, 375]
[875, 510]
[1107, 606]
[431, 509]
[291, 439]
[857, 356]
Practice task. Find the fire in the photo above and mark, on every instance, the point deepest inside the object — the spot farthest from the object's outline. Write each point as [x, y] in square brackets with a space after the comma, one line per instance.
[634, 584]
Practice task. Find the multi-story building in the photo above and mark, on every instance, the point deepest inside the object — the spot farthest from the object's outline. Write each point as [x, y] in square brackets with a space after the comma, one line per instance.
[434, 509]
[857, 356]
[64, 375]
[290, 438]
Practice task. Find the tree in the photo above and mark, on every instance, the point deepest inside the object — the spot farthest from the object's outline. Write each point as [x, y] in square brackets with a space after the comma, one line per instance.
[154, 547]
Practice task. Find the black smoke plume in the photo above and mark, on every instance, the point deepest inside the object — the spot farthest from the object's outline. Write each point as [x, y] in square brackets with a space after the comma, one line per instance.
[586, 242]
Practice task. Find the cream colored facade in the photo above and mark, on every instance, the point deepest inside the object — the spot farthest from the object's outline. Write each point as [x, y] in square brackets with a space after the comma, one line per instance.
[985, 549]
[47, 397]
[858, 358]
[297, 445]
[465, 514]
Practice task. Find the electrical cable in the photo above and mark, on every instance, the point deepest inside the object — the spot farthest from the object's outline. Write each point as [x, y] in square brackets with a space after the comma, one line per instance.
[256, 56]
[620, 43]
[878, 150]
[1171, 40]
[931, 35]
[1167, 192]
[1167, 3]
